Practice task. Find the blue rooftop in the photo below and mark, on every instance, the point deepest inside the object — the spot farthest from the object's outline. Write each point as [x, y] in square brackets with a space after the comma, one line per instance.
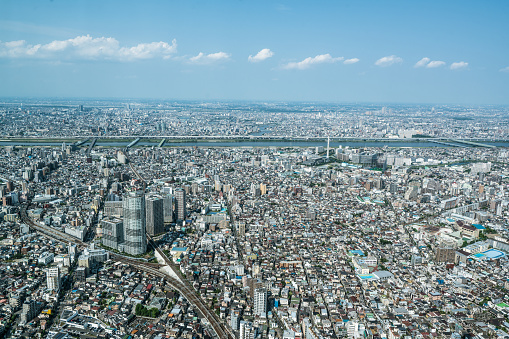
[479, 226]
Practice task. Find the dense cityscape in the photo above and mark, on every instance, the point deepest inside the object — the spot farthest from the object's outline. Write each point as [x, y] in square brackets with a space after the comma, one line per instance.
[128, 220]
[67, 119]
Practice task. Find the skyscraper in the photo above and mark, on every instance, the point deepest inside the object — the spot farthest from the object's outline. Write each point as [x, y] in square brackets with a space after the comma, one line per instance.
[260, 302]
[53, 278]
[180, 196]
[155, 214]
[135, 223]
[168, 208]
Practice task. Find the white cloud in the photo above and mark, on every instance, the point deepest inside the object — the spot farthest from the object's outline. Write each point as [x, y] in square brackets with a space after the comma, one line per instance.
[423, 62]
[260, 56]
[202, 58]
[459, 65]
[308, 62]
[87, 47]
[351, 61]
[435, 64]
[505, 69]
[388, 61]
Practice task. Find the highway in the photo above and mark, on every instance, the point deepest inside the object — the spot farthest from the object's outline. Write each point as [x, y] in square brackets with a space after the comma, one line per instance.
[92, 144]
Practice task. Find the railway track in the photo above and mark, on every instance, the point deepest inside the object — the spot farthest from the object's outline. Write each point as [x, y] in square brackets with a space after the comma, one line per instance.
[184, 286]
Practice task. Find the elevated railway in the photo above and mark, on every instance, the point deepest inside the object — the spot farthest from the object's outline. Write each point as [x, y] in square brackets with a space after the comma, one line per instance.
[183, 286]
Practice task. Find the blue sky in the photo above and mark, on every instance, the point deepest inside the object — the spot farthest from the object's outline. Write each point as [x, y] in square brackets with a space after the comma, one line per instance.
[336, 51]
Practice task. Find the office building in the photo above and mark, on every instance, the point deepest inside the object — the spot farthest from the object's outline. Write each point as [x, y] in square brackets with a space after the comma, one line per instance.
[445, 255]
[113, 209]
[154, 214]
[180, 197]
[235, 320]
[135, 238]
[53, 279]
[28, 312]
[113, 232]
[81, 274]
[260, 302]
[168, 208]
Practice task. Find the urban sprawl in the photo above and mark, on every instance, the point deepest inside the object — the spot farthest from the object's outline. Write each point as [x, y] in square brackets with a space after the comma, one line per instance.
[154, 241]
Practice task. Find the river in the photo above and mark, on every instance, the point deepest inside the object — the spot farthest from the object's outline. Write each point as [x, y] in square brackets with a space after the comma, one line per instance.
[247, 143]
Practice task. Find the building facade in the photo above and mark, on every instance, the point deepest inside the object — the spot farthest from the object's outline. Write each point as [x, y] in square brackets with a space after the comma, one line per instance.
[134, 223]
[53, 279]
[180, 196]
[113, 232]
[155, 214]
[260, 302]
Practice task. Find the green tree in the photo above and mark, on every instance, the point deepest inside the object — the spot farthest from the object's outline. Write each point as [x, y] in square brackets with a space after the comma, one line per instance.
[138, 309]
[154, 312]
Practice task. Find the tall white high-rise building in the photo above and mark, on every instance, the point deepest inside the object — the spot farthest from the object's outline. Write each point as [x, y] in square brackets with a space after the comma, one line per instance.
[135, 223]
[260, 302]
[53, 278]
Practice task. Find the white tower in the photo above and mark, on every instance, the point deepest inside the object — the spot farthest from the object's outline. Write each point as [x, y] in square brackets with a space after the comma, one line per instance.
[260, 302]
[53, 279]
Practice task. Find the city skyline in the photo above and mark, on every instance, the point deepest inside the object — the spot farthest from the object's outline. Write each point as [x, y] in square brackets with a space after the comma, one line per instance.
[294, 51]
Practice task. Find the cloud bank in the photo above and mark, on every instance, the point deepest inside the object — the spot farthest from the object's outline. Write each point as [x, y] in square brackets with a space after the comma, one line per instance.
[86, 47]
